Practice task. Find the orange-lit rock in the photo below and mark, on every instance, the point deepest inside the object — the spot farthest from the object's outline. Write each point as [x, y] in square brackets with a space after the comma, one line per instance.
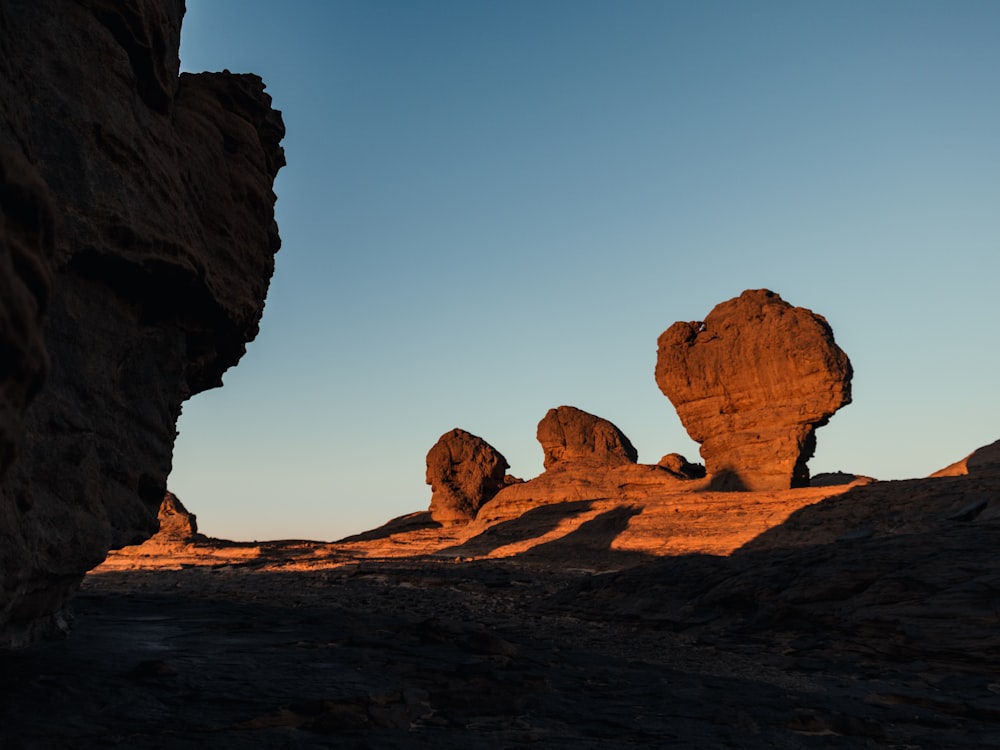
[980, 461]
[176, 522]
[464, 471]
[751, 383]
[572, 436]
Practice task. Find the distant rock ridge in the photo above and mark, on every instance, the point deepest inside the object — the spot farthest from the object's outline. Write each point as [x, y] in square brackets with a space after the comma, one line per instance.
[752, 383]
[981, 461]
[138, 211]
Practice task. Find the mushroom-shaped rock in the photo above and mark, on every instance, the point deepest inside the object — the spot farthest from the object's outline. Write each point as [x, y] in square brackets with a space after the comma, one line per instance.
[464, 472]
[751, 383]
[572, 436]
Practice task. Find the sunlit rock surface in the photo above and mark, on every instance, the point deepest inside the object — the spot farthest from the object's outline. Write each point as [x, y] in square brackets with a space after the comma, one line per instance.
[164, 237]
[751, 383]
[464, 471]
[572, 436]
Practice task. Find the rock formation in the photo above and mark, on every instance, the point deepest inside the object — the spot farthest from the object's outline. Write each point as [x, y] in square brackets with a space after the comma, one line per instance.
[176, 522]
[679, 466]
[572, 436]
[588, 459]
[751, 383]
[980, 461]
[26, 221]
[464, 472]
[162, 251]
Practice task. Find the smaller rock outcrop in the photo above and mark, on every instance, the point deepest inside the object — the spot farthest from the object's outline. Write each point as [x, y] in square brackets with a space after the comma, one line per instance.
[751, 383]
[464, 472]
[572, 436]
[680, 467]
[176, 523]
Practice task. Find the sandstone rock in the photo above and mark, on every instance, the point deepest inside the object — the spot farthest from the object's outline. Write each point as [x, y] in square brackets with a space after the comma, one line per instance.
[26, 230]
[679, 466]
[464, 471]
[162, 258]
[572, 436]
[751, 384]
[176, 522]
[980, 461]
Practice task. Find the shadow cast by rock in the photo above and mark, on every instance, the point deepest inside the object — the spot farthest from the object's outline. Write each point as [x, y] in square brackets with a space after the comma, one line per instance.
[529, 525]
[595, 538]
[411, 522]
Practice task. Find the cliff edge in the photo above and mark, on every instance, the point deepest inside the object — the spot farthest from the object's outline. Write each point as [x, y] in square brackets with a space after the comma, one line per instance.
[138, 209]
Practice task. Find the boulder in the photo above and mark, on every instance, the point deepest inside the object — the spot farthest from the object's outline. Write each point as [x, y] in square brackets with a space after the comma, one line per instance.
[162, 253]
[464, 472]
[679, 466]
[752, 383]
[571, 436]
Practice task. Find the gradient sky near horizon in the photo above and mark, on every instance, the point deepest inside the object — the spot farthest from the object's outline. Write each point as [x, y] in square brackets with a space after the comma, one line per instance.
[494, 208]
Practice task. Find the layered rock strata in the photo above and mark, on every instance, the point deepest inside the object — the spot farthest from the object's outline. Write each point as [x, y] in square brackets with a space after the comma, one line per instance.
[752, 383]
[163, 249]
[464, 472]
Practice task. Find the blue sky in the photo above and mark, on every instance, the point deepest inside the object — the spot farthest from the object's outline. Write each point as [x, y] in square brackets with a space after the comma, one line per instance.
[493, 208]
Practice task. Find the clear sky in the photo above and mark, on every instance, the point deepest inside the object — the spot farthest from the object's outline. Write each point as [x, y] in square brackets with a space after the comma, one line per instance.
[494, 208]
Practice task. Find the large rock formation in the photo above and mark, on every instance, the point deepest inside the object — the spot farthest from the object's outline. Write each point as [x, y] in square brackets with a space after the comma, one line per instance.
[163, 249]
[464, 472]
[572, 436]
[25, 246]
[751, 383]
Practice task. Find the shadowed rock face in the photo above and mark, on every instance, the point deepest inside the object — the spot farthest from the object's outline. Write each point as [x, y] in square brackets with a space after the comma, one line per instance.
[164, 237]
[572, 436]
[464, 472]
[751, 383]
[25, 247]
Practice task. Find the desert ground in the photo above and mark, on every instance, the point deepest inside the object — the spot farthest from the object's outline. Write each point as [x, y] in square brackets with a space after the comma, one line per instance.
[855, 615]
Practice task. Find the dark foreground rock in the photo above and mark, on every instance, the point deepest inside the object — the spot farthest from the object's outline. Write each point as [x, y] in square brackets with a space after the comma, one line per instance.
[866, 619]
[442, 655]
[151, 191]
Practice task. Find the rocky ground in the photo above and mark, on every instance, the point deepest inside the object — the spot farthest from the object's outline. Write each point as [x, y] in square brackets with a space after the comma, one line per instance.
[867, 617]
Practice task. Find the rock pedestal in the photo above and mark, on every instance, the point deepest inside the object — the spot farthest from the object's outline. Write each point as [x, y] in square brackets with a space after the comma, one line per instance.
[751, 383]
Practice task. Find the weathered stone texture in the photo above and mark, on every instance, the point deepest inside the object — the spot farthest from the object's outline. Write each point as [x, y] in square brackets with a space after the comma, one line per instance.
[751, 384]
[176, 523]
[464, 472]
[163, 249]
[572, 436]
